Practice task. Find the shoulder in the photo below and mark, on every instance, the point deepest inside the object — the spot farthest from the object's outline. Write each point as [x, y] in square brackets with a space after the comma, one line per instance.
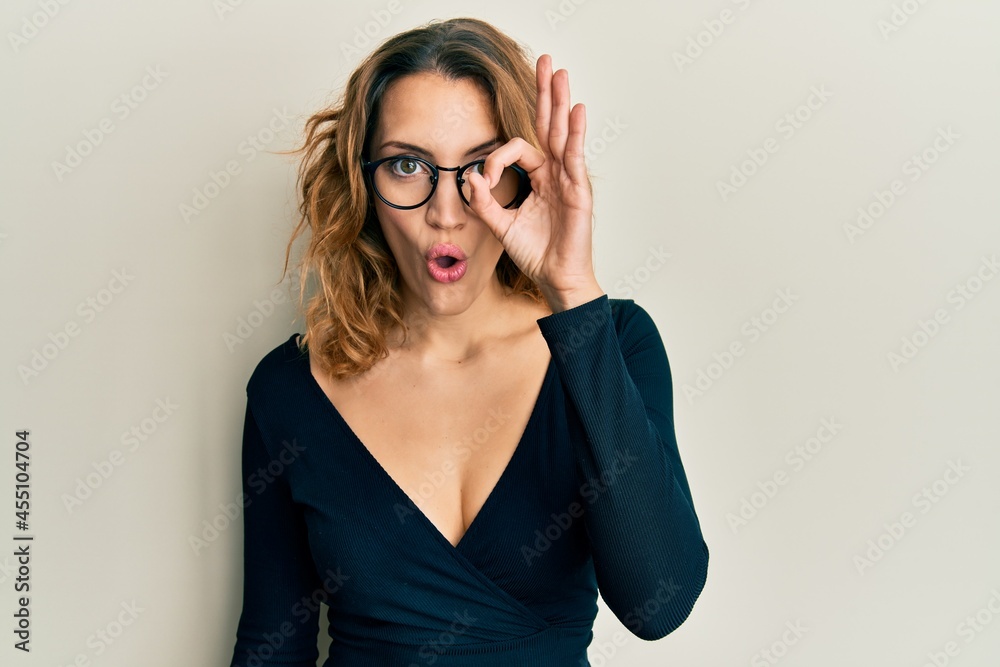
[635, 326]
[627, 310]
[623, 309]
[276, 390]
[275, 367]
[630, 317]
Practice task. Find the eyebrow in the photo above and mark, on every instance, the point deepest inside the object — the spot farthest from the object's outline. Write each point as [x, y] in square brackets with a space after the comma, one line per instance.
[424, 151]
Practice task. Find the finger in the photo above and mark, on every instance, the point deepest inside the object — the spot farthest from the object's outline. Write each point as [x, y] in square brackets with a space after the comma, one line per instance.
[559, 122]
[486, 207]
[516, 150]
[575, 161]
[543, 103]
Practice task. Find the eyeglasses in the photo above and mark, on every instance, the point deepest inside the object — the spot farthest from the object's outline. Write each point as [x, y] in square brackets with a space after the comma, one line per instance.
[407, 182]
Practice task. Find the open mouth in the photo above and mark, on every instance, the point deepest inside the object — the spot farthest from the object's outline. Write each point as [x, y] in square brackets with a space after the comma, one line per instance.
[446, 262]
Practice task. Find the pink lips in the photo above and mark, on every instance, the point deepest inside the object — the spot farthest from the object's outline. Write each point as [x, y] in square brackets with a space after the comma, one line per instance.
[446, 262]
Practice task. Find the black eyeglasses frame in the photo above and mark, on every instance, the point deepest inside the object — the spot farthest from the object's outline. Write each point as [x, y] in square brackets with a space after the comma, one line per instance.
[523, 189]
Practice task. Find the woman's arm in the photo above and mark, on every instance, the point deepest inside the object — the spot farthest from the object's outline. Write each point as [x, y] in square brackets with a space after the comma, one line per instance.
[280, 621]
[650, 557]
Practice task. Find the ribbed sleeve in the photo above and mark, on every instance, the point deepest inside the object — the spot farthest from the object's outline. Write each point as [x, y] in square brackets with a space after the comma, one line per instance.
[277, 625]
[650, 558]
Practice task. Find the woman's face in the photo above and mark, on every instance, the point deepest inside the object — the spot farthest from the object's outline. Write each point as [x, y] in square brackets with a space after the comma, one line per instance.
[449, 124]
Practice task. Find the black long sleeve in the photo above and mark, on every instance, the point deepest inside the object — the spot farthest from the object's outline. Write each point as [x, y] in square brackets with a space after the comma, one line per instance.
[279, 623]
[649, 552]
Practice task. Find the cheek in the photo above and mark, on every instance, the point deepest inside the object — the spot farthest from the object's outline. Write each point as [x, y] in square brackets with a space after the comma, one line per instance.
[396, 226]
[491, 243]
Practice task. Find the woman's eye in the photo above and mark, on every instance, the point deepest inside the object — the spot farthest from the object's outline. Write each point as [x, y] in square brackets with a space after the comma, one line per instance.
[406, 166]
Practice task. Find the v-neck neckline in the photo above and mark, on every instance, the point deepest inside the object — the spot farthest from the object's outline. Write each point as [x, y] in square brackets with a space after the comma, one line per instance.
[391, 482]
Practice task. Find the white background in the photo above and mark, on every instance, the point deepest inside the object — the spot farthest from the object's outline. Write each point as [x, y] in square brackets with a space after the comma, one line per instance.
[663, 134]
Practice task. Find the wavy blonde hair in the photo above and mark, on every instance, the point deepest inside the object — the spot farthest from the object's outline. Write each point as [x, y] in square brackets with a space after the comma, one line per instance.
[358, 299]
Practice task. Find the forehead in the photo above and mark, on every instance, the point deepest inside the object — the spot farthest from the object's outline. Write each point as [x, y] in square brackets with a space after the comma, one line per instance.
[444, 116]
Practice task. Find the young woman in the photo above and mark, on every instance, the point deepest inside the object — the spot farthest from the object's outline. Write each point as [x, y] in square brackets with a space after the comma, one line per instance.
[470, 438]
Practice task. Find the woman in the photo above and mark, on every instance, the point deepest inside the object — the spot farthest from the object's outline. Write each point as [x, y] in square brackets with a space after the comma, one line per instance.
[470, 436]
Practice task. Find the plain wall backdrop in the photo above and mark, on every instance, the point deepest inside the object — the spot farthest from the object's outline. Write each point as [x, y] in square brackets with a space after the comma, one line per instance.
[803, 196]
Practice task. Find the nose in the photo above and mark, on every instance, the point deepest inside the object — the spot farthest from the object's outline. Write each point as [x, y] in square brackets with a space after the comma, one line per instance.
[446, 208]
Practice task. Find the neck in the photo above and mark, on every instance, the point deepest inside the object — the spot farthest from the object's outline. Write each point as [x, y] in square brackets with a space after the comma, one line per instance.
[447, 339]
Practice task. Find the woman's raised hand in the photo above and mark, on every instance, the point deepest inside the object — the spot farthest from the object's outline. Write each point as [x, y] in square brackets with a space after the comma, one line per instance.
[549, 237]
